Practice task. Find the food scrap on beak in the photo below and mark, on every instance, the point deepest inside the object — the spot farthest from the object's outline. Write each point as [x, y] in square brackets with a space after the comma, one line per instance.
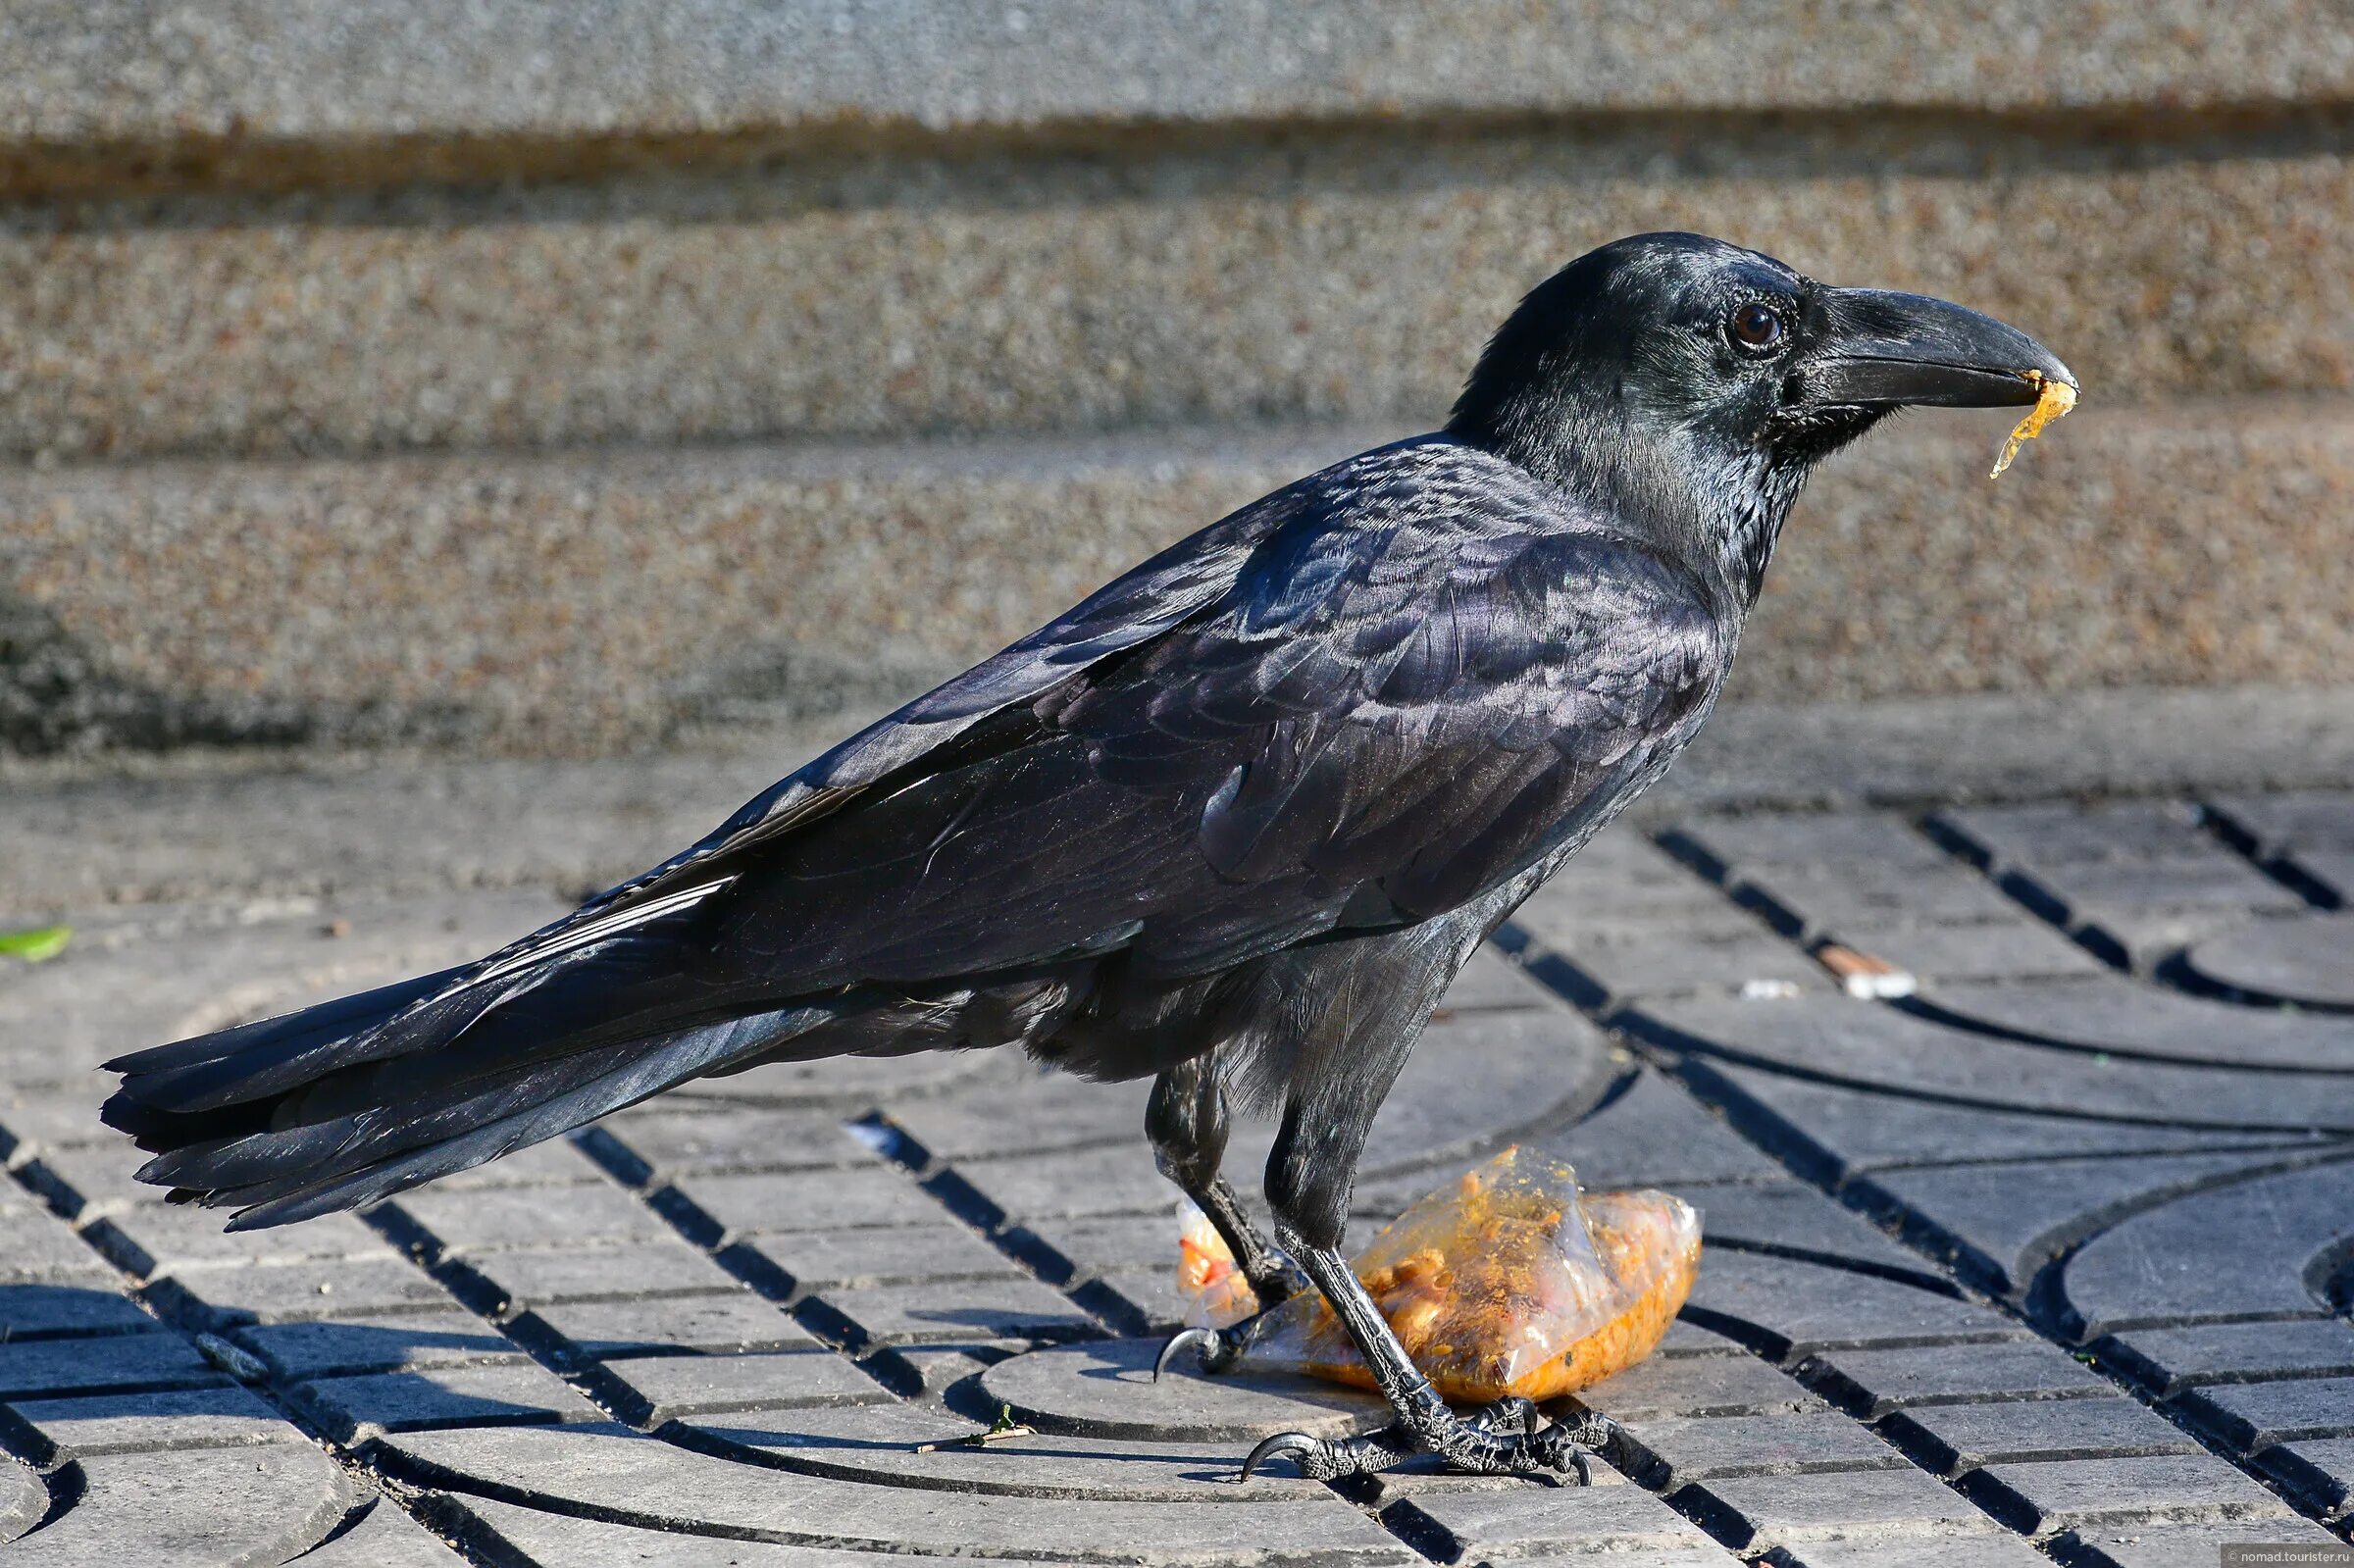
[2053, 398]
[1873, 350]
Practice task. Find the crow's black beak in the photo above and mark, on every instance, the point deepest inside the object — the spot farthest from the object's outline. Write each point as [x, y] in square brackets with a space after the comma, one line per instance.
[1871, 348]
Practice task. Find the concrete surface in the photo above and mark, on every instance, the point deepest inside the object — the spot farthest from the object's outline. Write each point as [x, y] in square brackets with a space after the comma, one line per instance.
[2049, 1262]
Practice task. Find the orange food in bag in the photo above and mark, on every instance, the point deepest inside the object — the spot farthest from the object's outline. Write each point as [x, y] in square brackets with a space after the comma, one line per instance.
[1215, 1292]
[1507, 1281]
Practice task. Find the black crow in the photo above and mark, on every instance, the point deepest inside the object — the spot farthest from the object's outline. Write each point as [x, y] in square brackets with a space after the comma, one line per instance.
[1234, 821]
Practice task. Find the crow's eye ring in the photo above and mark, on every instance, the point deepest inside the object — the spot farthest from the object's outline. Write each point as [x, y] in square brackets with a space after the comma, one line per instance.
[1757, 328]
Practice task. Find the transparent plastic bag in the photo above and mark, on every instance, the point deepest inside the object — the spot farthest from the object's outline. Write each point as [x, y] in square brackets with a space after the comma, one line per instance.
[1214, 1292]
[1507, 1281]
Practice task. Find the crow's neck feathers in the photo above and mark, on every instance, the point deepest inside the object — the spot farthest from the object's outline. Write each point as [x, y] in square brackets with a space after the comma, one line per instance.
[1709, 501]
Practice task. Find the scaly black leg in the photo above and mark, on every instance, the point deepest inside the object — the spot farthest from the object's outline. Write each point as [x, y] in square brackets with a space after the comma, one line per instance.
[1497, 1441]
[1271, 1276]
[1310, 1178]
[1186, 1120]
[1339, 1021]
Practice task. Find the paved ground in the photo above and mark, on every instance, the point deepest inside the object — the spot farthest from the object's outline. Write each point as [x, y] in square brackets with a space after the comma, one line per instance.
[2052, 1261]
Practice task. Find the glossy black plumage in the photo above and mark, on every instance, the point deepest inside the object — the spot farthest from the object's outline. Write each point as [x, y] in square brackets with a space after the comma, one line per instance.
[1234, 820]
[1399, 681]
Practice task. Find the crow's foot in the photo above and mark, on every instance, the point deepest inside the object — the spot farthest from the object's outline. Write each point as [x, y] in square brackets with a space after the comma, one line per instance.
[1215, 1350]
[1219, 1350]
[1500, 1440]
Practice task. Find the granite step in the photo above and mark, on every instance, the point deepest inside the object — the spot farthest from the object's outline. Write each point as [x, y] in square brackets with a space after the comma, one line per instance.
[100, 72]
[436, 226]
[583, 599]
[1296, 273]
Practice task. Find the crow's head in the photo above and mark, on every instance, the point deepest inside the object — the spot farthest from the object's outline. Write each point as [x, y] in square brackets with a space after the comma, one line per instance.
[1687, 385]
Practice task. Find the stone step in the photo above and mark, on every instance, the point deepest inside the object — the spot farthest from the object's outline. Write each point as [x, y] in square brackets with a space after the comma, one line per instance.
[520, 603]
[1317, 273]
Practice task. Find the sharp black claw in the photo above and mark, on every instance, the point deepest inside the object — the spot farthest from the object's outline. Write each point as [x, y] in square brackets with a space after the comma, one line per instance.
[1298, 1446]
[1203, 1340]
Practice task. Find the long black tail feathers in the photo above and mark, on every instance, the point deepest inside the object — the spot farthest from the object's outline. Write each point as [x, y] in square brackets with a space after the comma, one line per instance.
[348, 1102]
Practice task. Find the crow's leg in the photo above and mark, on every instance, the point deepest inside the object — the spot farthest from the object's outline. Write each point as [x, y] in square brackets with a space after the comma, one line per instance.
[1496, 1440]
[1308, 1181]
[1186, 1120]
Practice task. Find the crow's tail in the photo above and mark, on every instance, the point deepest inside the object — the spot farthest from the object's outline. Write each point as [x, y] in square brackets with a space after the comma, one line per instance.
[353, 1101]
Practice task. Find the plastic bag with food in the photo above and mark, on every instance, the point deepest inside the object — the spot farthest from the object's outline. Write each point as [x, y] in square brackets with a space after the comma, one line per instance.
[1212, 1287]
[1507, 1281]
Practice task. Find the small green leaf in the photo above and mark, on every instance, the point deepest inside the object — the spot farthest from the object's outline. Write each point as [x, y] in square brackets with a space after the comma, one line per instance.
[34, 946]
[1003, 1427]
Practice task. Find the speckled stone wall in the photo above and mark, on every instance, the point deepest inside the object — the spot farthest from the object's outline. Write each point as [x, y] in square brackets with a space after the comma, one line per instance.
[530, 379]
[131, 71]
[1343, 277]
[574, 601]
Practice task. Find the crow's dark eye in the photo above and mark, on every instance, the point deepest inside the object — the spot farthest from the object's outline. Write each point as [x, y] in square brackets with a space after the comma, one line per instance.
[1756, 328]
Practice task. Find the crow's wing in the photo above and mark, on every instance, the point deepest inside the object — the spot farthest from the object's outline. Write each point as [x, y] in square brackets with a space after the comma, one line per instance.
[1356, 704]
[1360, 701]
[1401, 701]
[1140, 604]
[637, 931]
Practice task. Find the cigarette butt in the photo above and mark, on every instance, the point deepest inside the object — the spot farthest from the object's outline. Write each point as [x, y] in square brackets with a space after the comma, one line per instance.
[1864, 977]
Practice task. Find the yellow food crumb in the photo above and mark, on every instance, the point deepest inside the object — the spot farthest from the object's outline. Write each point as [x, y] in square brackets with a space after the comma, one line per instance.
[2052, 399]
